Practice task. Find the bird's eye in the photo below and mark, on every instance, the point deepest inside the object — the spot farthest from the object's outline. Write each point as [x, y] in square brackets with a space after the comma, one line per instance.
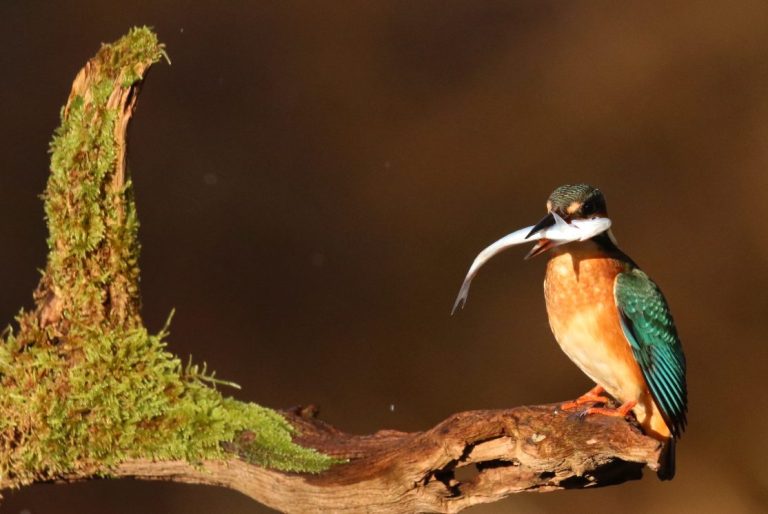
[587, 208]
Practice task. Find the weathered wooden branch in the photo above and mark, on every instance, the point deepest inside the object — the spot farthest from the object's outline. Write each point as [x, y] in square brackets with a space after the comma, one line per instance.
[470, 458]
[87, 320]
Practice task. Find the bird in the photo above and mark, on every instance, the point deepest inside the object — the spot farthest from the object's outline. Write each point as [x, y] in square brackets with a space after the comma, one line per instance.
[607, 315]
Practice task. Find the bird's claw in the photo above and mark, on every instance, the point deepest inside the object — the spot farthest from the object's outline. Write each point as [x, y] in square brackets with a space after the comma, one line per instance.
[594, 395]
[619, 412]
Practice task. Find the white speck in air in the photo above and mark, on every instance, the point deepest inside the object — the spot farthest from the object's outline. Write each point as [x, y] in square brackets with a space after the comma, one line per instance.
[391, 407]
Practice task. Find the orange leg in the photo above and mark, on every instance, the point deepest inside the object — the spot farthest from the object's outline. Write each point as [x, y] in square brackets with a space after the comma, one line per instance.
[620, 412]
[591, 396]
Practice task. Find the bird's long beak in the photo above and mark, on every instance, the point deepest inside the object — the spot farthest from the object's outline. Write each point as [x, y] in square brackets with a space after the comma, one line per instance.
[550, 232]
[545, 222]
[544, 244]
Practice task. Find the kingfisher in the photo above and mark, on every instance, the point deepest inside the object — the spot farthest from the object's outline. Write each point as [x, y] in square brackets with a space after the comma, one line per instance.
[607, 315]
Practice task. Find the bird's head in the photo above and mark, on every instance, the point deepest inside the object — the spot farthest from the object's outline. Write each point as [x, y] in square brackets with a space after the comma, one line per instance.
[575, 212]
[581, 203]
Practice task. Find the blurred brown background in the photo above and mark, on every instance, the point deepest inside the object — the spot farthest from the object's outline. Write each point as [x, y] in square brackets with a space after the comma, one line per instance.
[314, 180]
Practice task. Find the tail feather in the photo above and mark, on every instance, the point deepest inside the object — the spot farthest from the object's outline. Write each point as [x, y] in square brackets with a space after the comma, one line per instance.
[667, 461]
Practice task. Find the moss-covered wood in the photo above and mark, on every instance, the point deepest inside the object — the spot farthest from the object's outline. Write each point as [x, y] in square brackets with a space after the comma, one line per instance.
[83, 384]
[86, 390]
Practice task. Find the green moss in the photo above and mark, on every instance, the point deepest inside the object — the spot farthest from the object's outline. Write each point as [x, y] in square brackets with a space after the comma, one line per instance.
[125, 397]
[93, 387]
[91, 218]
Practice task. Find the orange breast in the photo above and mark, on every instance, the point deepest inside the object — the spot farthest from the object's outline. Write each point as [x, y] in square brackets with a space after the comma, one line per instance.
[578, 289]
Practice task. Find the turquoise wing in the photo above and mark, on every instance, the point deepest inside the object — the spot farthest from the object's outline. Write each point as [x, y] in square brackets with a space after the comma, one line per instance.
[650, 330]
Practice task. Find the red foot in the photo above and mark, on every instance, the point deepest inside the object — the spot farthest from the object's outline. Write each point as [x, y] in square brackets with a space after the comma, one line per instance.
[591, 396]
[620, 412]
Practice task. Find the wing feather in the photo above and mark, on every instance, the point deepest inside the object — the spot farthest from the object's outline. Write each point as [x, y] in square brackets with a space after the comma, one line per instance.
[650, 331]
